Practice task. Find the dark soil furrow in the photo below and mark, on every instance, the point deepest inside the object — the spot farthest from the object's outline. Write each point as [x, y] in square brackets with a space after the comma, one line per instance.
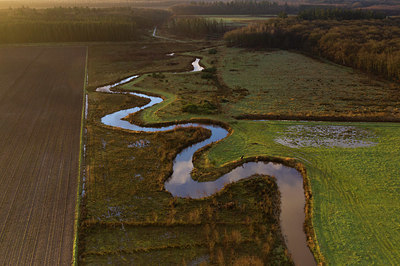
[40, 119]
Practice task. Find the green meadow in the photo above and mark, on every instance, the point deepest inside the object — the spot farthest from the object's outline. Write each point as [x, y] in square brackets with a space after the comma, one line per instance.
[355, 190]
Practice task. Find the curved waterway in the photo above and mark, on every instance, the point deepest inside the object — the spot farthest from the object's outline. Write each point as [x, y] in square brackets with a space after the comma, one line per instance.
[181, 184]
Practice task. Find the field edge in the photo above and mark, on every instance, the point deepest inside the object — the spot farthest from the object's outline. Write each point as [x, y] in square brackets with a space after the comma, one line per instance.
[80, 167]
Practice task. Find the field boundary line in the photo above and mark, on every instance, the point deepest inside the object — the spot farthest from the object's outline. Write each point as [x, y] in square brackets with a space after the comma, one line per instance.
[80, 167]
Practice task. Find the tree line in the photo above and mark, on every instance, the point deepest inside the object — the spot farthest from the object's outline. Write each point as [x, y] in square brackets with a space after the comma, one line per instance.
[339, 14]
[369, 45]
[25, 25]
[67, 32]
[232, 8]
[196, 27]
[261, 7]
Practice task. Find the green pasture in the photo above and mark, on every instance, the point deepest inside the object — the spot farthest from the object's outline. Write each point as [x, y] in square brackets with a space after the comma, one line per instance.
[355, 190]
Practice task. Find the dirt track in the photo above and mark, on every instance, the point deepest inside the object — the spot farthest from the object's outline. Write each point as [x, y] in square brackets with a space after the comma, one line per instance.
[41, 90]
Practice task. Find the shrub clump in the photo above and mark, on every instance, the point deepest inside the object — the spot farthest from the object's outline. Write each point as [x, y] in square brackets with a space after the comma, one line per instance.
[205, 107]
[158, 75]
[208, 73]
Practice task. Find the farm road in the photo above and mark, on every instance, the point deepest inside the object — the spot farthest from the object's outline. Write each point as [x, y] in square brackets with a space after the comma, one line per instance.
[41, 90]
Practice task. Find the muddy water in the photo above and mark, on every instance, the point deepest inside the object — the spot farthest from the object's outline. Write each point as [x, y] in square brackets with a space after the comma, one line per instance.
[329, 136]
[289, 181]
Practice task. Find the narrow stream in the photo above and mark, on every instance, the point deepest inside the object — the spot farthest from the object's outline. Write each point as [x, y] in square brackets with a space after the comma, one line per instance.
[181, 184]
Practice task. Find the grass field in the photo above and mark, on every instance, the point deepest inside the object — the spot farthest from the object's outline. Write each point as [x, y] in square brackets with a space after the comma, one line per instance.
[40, 121]
[355, 190]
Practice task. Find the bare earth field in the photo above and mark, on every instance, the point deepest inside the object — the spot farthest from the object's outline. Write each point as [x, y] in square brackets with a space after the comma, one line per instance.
[41, 90]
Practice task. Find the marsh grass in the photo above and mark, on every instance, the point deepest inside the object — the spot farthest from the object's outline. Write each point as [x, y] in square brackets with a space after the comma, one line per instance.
[286, 84]
[275, 85]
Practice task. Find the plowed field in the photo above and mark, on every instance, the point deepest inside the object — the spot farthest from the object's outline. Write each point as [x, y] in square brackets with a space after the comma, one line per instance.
[41, 90]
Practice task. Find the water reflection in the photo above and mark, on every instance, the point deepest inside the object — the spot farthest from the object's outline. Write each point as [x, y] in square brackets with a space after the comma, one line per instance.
[196, 65]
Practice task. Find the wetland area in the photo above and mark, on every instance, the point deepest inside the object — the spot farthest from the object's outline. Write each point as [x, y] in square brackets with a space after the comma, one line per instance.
[181, 184]
[306, 160]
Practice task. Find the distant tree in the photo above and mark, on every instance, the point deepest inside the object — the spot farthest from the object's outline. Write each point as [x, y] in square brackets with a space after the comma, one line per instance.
[282, 14]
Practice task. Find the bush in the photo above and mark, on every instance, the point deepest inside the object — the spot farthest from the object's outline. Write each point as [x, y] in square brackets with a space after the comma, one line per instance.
[158, 75]
[212, 70]
[205, 107]
[207, 75]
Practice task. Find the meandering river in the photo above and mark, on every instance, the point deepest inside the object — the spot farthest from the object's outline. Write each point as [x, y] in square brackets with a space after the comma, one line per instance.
[181, 184]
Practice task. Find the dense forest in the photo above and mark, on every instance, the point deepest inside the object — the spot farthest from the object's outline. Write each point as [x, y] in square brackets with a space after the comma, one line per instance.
[357, 3]
[339, 14]
[388, 7]
[24, 25]
[233, 8]
[196, 27]
[369, 45]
